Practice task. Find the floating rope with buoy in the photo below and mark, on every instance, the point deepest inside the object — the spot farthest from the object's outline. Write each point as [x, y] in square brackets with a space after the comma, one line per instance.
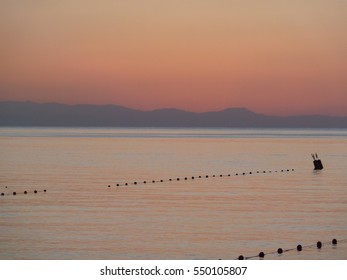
[319, 245]
[205, 176]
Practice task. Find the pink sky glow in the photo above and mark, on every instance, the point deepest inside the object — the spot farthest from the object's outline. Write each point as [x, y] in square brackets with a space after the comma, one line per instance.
[273, 57]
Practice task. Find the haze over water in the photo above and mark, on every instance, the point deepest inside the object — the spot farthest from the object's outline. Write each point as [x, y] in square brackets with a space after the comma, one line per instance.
[80, 217]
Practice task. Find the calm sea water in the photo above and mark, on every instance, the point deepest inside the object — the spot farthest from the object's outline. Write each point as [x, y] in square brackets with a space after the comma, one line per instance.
[80, 217]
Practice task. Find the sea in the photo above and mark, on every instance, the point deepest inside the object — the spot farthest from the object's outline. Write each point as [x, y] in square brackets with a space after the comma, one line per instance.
[172, 194]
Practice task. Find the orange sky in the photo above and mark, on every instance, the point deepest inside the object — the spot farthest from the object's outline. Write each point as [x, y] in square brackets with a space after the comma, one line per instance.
[274, 57]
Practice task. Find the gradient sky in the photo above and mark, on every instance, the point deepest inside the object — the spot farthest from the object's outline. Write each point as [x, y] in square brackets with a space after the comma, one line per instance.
[279, 57]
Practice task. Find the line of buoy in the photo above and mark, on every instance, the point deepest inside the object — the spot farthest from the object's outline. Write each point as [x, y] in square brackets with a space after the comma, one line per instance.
[25, 192]
[200, 176]
[298, 248]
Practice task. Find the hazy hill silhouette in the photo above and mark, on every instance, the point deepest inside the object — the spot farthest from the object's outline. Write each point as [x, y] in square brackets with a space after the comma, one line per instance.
[54, 114]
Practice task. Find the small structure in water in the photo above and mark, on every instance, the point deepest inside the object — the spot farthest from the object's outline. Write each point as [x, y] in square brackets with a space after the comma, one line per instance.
[317, 162]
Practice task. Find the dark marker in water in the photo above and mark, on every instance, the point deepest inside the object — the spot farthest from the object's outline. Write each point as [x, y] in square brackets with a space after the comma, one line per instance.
[317, 162]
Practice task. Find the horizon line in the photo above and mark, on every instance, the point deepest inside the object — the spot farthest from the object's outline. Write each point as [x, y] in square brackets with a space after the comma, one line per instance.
[173, 108]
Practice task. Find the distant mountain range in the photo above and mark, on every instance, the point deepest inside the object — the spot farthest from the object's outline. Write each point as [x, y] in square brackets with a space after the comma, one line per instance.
[54, 114]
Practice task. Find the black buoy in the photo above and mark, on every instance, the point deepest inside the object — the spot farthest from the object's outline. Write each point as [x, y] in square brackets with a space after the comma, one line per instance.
[241, 257]
[25, 192]
[279, 250]
[185, 178]
[161, 181]
[153, 181]
[299, 248]
[126, 184]
[317, 162]
[178, 179]
[14, 193]
[117, 185]
[199, 176]
[170, 179]
[109, 186]
[319, 245]
[2, 194]
[44, 190]
[261, 255]
[193, 178]
[237, 174]
[220, 175]
[206, 176]
[144, 182]
[334, 241]
[35, 191]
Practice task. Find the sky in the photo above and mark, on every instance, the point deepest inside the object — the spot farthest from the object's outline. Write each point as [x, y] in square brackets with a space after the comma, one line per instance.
[276, 57]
